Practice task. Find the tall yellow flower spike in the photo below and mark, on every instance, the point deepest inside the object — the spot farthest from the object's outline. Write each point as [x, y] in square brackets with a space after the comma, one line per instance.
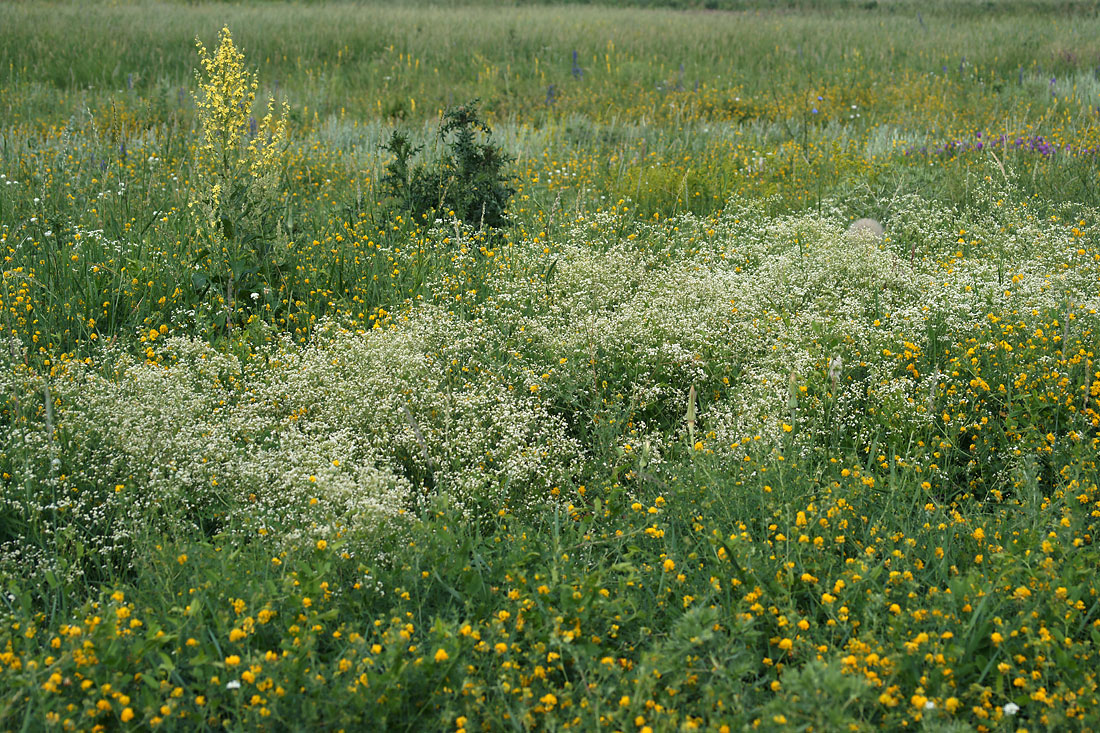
[238, 172]
[233, 147]
[227, 92]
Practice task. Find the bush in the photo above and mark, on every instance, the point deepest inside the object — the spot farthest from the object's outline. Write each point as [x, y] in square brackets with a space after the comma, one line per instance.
[469, 179]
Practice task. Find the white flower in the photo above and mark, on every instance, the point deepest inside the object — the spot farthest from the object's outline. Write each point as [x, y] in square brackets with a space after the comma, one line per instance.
[929, 705]
[1011, 708]
[834, 370]
[233, 685]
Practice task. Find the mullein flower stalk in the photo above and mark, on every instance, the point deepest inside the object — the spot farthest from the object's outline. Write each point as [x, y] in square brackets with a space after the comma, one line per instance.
[240, 162]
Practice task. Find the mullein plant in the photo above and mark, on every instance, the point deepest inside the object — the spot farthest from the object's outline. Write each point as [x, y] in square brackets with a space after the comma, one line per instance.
[239, 176]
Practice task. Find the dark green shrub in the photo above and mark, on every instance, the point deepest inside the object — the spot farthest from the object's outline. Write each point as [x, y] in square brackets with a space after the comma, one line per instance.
[469, 179]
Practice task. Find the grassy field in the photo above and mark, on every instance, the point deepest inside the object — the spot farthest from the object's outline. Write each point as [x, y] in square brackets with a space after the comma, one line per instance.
[671, 449]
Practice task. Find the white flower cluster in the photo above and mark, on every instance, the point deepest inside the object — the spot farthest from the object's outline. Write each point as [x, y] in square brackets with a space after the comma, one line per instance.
[340, 438]
[540, 373]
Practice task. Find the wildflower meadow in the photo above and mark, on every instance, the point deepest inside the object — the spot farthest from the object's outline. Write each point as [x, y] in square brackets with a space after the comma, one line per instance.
[490, 366]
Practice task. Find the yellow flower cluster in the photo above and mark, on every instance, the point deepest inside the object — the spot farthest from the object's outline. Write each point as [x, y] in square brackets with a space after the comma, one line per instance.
[235, 151]
[227, 91]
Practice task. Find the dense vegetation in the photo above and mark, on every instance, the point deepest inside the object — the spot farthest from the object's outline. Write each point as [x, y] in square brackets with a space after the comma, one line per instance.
[330, 399]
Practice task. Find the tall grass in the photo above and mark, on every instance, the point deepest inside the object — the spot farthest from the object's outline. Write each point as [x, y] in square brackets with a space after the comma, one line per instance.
[367, 59]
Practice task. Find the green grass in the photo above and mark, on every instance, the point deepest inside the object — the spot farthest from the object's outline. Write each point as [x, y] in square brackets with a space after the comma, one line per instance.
[670, 450]
[355, 57]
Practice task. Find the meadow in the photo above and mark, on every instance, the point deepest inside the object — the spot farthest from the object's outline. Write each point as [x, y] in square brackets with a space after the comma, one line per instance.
[667, 447]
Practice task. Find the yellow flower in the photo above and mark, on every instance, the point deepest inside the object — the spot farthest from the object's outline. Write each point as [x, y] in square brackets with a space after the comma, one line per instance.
[441, 655]
[127, 715]
[232, 660]
[321, 544]
[224, 101]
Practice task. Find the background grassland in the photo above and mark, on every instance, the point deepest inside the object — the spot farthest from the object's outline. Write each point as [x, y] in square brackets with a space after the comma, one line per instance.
[672, 111]
[357, 57]
[669, 451]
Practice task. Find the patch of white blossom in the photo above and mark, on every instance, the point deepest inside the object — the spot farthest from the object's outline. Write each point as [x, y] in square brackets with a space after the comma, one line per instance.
[598, 337]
